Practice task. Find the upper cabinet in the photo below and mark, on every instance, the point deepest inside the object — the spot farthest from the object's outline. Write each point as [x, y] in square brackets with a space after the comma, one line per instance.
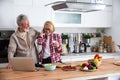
[110, 2]
[36, 10]
[38, 13]
[41, 13]
[68, 19]
[7, 14]
[93, 18]
[98, 19]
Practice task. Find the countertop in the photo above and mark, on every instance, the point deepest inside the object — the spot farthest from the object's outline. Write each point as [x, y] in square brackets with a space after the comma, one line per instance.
[82, 56]
[86, 56]
[106, 69]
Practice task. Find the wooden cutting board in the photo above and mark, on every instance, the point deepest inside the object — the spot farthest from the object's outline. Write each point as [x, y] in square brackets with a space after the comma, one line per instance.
[60, 65]
[113, 47]
[107, 40]
[117, 63]
[77, 63]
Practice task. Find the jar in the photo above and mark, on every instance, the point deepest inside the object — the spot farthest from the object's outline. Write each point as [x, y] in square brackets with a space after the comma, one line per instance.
[101, 49]
[109, 49]
[105, 50]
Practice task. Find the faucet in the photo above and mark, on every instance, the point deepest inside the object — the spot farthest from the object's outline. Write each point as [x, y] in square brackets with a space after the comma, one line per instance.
[81, 46]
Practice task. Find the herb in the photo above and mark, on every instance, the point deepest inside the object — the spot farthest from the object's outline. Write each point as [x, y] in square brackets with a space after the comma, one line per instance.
[87, 36]
[65, 36]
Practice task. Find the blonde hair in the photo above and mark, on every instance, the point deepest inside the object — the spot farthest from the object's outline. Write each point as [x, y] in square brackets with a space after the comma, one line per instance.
[49, 23]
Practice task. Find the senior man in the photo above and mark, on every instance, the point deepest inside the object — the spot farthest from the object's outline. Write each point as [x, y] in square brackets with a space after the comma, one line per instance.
[22, 42]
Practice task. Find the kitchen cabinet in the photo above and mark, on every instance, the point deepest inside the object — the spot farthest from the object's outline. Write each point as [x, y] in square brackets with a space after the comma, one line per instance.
[98, 19]
[68, 19]
[6, 14]
[43, 12]
[71, 16]
[23, 2]
[36, 11]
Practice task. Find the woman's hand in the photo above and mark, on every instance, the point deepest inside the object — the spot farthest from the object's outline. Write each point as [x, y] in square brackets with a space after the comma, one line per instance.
[41, 34]
[56, 43]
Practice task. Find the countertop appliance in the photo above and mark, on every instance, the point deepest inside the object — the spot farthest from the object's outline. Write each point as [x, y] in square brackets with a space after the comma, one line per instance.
[4, 41]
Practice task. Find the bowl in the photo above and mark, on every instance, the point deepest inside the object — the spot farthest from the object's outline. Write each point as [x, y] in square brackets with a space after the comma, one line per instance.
[50, 67]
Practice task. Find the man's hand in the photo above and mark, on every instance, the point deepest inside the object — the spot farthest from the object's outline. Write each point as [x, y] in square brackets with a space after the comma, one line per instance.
[9, 66]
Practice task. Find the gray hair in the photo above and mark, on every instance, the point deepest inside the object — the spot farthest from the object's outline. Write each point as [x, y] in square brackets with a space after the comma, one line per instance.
[21, 18]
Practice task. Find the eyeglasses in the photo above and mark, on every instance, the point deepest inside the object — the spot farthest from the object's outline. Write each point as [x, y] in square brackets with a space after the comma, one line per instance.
[47, 29]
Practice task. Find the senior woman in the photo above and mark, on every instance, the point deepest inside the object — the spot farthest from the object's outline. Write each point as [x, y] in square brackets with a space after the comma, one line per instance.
[22, 42]
[51, 44]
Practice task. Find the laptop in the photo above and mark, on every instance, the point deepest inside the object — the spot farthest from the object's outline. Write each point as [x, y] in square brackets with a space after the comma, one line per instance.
[23, 64]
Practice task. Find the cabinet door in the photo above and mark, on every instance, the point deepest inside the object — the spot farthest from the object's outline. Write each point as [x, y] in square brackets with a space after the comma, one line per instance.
[41, 13]
[98, 19]
[67, 19]
[7, 14]
[36, 10]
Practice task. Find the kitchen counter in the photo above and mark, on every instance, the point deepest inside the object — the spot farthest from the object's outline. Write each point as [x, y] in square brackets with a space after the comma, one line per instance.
[86, 56]
[106, 70]
[82, 56]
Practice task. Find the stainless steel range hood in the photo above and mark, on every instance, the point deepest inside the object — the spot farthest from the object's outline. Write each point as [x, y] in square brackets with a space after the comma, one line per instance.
[77, 6]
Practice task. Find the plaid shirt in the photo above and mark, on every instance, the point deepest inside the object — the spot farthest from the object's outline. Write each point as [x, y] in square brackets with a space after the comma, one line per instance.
[54, 52]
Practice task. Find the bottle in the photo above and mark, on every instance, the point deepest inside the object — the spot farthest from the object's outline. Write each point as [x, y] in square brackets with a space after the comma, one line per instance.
[88, 49]
[64, 49]
[76, 48]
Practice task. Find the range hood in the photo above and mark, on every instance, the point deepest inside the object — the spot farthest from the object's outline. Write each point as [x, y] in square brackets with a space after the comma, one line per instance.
[77, 6]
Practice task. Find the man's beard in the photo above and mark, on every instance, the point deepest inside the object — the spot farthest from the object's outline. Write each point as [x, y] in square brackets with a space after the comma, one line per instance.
[27, 30]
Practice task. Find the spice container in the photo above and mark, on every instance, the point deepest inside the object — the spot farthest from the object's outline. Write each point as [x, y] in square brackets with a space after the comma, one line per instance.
[109, 49]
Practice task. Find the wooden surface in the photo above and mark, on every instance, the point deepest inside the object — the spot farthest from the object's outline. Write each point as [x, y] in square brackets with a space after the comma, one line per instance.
[107, 67]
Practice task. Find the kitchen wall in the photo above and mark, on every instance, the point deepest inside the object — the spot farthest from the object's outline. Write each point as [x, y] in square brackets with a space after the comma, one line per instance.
[115, 30]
